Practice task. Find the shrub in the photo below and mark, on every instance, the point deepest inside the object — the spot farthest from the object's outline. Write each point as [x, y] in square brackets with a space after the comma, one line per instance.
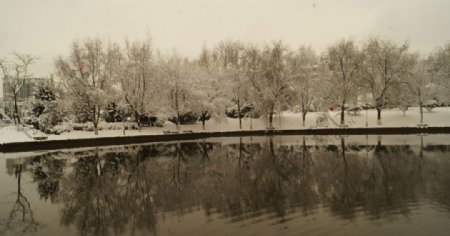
[247, 110]
[59, 129]
[186, 118]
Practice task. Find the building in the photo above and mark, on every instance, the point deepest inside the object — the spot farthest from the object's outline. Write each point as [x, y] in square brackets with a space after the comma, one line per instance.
[25, 94]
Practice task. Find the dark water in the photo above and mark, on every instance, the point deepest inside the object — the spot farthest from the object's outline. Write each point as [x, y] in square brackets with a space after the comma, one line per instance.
[236, 186]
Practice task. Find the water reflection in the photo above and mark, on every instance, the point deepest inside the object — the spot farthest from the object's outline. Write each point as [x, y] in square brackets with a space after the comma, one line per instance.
[129, 190]
[21, 218]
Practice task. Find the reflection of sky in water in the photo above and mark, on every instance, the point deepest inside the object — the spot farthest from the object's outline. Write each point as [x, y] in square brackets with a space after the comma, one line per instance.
[258, 186]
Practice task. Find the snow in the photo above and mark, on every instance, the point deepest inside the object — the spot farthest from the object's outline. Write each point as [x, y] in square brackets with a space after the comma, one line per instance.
[390, 118]
[10, 134]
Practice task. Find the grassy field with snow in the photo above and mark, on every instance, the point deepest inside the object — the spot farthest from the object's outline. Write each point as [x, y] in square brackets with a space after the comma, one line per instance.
[287, 120]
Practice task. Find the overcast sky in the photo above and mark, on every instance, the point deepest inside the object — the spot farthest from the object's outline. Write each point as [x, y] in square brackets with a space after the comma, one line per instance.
[46, 28]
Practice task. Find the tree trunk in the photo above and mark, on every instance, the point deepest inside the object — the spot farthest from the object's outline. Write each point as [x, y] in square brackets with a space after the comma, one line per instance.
[18, 174]
[304, 152]
[239, 113]
[367, 119]
[16, 116]
[203, 118]
[342, 114]
[421, 112]
[123, 123]
[343, 150]
[122, 116]
[303, 115]
[421, 147]
[95, 120]
[303, 118]
[379, 115]
[240, 152]
[137, 116]
[205, 152]
[178, 121]
[95, 127]
[272, 149]
[178, 111]
[270, 120]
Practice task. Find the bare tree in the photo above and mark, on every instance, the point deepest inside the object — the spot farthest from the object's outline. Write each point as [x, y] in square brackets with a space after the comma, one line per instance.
[441, 66]
[176, 73]
[268, 77]
[303, 77]
[211, 94]
[421, 80]
[88, 73]
[15, 73]
[344, 62]
[228, 57]
[136, 77]
[384, 64]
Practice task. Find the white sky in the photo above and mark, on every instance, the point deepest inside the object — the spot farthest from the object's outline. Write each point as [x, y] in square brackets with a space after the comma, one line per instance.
[46, 28]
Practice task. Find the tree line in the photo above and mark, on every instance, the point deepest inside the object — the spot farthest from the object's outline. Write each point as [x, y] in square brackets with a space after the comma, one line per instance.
[141, 81]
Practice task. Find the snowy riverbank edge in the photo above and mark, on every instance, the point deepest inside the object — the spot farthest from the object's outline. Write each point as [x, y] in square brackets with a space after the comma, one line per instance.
[123, 140]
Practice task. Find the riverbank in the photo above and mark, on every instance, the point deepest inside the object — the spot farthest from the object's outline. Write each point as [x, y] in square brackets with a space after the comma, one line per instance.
[394, 122]
[108, 141]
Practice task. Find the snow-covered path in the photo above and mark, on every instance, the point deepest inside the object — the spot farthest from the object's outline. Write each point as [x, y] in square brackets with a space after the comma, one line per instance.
[288, 120]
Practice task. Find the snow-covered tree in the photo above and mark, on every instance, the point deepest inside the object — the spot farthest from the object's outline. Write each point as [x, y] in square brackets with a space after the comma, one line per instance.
[137, 78]
[404, 99]
[180, 94]
[228, 58]
[211, 94]
[302, 71]
[44, 92]
[118, 109]
[384, 64]
[46, 110]
[88, 73]
[15, 72]
[344, 61]
[421, 81]
[441, 66]
[270, 86]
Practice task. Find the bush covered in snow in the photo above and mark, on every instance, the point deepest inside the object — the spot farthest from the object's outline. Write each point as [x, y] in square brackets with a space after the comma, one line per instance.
[104, 126]
[118, 126]
[186, 118]
[59, 129]
[247, 110]
[84, 127]
[44, 111]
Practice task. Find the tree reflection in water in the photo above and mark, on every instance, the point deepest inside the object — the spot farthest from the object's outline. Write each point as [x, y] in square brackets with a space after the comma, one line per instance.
[47, 170]
[113, 191]
[21, 218]
[94, 198]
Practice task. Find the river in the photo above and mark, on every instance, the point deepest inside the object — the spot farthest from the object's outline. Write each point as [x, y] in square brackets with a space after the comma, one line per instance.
[294, 185]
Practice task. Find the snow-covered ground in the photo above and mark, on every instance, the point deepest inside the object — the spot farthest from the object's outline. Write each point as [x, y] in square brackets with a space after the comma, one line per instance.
[390, 118]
